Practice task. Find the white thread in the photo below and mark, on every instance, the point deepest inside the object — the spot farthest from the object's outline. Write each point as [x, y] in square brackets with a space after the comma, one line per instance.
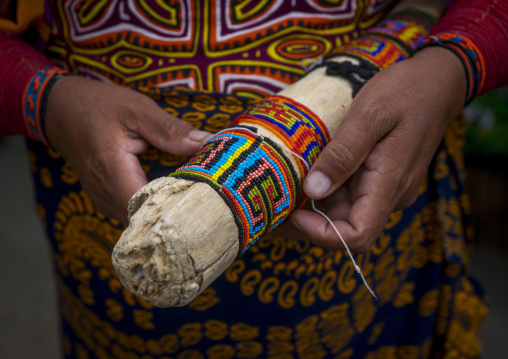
[313, 63]
[357, 268]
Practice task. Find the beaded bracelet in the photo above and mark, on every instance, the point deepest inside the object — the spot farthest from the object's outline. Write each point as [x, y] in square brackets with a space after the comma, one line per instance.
[298, 128]
[389, 42]
[468, 54]
[35, 101]
[251, 173]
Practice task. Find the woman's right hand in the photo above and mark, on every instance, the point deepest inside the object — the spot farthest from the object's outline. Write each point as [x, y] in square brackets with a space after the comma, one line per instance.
[100, 128]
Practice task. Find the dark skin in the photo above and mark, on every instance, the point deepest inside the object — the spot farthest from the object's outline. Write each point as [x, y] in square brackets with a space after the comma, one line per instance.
[373, 166]
[100, 128]
[377, 161]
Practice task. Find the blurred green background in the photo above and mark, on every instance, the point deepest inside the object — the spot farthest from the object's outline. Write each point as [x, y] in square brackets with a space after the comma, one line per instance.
[486, 155]
[487, 130]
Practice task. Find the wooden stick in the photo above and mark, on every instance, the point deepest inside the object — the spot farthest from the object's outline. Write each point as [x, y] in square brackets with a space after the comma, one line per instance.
[182, 235]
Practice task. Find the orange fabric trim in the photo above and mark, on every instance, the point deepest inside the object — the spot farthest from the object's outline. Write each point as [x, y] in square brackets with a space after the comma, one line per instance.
[28, 13]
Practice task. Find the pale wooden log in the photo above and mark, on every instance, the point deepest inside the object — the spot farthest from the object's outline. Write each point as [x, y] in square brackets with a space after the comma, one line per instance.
[182, 234]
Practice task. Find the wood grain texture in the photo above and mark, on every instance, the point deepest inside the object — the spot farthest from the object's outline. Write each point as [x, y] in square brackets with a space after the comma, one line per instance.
[182, 235]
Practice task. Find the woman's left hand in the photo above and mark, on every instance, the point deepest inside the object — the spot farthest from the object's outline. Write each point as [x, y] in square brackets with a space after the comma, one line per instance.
[377, 161]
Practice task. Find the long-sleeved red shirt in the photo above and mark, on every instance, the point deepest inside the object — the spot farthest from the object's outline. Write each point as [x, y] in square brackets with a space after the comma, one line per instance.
[482, 22]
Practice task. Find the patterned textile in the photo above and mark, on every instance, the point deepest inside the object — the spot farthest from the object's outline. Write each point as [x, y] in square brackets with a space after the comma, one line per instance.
[283, 298]
[245, 48]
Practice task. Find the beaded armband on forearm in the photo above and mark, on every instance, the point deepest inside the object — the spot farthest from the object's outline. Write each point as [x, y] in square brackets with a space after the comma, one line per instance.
[35, 100]
[470, 56]
[251, 173]
[296, 126]
[388, 42]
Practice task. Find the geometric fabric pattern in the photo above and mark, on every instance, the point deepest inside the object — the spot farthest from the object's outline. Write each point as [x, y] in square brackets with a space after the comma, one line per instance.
[312, 303]
[246, 48]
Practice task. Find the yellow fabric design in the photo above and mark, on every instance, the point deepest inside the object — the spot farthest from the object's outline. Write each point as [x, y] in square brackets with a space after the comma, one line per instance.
[328, 307]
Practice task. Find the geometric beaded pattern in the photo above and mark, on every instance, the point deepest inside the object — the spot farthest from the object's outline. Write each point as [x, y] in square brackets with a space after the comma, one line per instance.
[35, 99]
[470, 56]
[387, 43]
[253, 176]
[294, 124]
[406, 33]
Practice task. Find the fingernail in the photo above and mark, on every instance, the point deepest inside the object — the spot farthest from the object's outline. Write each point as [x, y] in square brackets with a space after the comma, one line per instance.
[295, 221]
[317, 183]
[197, 135]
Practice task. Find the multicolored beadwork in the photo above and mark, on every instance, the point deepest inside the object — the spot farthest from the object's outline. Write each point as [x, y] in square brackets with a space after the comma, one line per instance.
[36, 96]
[389, 42]
[253, 176]
[251, 173]
[296, 126]
[470, 56]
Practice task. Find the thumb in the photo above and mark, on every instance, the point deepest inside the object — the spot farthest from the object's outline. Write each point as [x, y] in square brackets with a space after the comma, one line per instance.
[341, 158]
[169, 133]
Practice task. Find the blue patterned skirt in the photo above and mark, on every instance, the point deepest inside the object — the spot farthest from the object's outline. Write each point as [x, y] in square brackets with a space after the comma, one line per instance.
[283, 298]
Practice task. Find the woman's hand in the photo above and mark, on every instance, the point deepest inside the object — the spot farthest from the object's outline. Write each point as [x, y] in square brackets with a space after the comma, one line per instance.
[99, 128]
[380, 156]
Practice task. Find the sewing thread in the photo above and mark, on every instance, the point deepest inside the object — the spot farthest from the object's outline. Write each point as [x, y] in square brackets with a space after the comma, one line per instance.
[356, 266]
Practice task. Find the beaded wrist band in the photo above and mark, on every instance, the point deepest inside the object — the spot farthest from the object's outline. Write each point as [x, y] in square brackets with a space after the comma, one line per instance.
[251, 173]
[253, 176]
[470, 56]
[35, 100]
[389, 42]
[298, 128]
[419, 17]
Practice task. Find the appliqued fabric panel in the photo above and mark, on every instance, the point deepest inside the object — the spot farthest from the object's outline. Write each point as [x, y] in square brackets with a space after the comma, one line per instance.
[247, 48]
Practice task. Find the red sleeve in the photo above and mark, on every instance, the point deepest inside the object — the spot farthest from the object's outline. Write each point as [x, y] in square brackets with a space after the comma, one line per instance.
[24, 75]
[483, 24]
